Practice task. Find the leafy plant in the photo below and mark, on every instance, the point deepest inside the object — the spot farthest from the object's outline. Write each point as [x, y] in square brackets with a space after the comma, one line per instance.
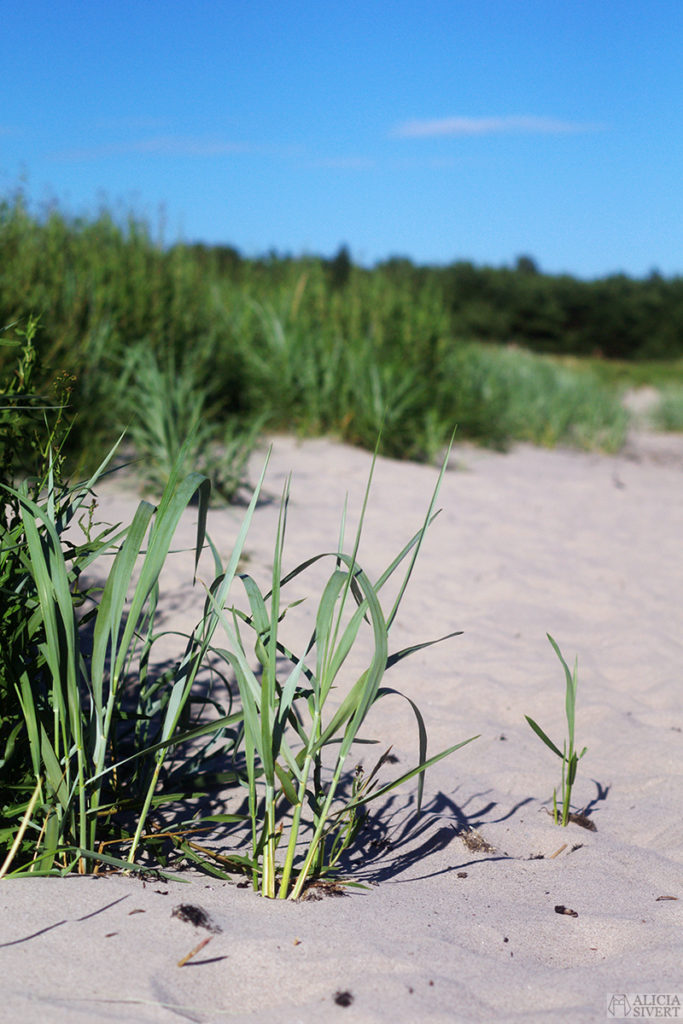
[292, 719]
[568, 755]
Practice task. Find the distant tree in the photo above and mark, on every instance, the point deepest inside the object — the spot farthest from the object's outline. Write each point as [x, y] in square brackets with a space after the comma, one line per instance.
[339, 268]
[228, 259]
[536, 316]
[526, 265]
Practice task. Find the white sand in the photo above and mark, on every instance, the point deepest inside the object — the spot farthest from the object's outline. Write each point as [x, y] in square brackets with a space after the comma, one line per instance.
[583, 546]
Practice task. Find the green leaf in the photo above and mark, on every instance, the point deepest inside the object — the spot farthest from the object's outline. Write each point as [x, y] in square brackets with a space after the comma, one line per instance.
[548, 742]
[412, 773]
[287, 784]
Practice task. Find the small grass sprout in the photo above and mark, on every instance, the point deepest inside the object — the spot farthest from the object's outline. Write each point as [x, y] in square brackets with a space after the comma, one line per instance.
[568, 755]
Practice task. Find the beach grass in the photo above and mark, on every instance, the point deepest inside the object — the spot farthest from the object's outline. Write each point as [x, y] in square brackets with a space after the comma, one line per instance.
[89, 723]
[87, 720]
[86, 777]
[200, 336]
[168, 410]
[94, 724]
[297, 739]
[667, 414]
[568, 755]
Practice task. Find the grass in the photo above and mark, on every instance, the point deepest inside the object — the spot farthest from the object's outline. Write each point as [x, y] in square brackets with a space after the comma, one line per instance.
[83, 674]
[80, 674]
[89, 723]
[668, 413]
[204, 340]
[568, 755]
[289, 725]
[498, 395]
[168, 411]
[89, 719]
[620, 373]
[89, 727]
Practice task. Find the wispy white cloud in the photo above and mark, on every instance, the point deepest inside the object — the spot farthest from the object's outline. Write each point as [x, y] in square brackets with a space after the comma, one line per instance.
[463, 126]
[159, 145]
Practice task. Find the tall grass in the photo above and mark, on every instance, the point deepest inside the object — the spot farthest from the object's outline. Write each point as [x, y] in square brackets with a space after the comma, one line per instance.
[288, 344]
[73, 677]
[87, 713]
[87, 723]
[503, 394]
[668, 413]
[169, 411]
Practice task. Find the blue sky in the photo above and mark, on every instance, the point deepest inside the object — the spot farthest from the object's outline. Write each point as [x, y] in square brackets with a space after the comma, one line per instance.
[469, 129]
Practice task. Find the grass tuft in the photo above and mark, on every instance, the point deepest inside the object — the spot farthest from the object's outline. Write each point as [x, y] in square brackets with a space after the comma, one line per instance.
[302, 721]
[668, 413]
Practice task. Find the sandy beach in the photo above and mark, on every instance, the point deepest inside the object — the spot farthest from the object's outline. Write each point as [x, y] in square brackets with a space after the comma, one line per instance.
[459, 920]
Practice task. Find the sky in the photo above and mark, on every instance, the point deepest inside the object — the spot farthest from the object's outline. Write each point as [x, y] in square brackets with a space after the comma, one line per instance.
[437, 130]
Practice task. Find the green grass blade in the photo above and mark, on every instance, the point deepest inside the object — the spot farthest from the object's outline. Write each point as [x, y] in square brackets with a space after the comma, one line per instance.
[111, 606]
[548, 742]
[407, 776]
[175, 500]
[393, 659]
[570, 698]
[420, 536]
[421, 735]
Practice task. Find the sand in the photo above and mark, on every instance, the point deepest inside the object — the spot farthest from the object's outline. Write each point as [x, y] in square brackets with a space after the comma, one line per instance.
[459, 921]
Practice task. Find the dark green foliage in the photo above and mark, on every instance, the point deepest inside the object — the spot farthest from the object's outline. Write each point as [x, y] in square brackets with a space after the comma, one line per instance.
[32, 432]
[339, 268]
